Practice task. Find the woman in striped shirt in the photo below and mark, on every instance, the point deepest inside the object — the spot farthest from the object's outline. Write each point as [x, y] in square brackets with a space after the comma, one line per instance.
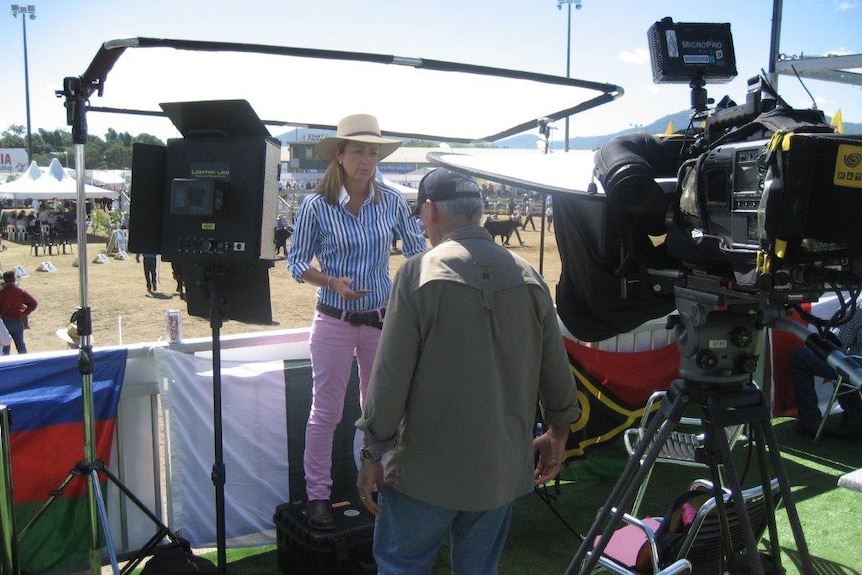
[347, 226]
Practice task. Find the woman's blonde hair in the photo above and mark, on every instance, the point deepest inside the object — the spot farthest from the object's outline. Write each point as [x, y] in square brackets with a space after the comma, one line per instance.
[333, 180]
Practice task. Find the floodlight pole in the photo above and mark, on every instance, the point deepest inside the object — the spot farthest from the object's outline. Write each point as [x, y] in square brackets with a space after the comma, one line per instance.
[578, 5]
[28, 10]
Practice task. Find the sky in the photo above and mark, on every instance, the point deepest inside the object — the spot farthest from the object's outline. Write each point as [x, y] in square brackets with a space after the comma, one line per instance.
[608, 44]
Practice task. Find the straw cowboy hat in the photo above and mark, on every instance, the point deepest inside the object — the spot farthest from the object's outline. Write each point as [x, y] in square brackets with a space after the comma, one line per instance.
[70, 335]
[356, 128]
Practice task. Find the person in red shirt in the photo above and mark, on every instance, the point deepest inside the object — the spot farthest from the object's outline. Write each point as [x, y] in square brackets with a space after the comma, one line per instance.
[15, 305]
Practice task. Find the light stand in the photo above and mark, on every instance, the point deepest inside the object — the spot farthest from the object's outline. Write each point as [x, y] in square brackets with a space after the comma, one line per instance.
[213, 278]
[76, 95]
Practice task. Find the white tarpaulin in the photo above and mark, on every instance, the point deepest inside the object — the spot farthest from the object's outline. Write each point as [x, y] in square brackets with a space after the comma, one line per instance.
[254, 425]
[53, 183]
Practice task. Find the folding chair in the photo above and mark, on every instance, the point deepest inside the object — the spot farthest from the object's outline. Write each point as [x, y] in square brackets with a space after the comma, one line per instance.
[843, 386]
[21, 233]
[681, 447]
[701, 542]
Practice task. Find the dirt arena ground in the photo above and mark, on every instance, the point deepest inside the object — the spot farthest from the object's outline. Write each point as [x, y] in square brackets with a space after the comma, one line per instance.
[124, 313]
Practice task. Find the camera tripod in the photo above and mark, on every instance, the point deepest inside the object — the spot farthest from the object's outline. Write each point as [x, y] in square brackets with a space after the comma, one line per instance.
[716, 341]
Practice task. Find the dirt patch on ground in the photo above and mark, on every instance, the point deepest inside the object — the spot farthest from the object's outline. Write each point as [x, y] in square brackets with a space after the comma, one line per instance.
[123, 312]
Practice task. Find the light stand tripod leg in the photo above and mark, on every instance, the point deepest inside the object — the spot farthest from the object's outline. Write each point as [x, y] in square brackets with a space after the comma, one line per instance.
[162, 531]
[103, 516]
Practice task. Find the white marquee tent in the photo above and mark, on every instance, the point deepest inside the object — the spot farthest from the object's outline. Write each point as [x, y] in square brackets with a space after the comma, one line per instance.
[54, 182]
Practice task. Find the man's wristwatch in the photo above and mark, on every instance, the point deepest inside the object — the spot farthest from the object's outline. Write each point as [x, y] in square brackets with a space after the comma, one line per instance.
[366, 458]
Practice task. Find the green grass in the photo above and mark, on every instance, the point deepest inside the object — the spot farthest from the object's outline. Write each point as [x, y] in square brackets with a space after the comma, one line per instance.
[539, 543]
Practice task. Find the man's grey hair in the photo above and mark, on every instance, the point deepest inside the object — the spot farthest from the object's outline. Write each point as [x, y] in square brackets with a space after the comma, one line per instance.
[470, 209]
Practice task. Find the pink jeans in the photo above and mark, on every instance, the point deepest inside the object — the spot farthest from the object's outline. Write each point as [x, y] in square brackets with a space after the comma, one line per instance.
[332, 344]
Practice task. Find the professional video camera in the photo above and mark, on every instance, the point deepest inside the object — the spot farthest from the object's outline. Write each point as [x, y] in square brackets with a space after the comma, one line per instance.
[766, 198]
[761, 216]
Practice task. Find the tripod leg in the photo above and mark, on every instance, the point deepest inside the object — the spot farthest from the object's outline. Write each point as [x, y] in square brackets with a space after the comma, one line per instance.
[138, 503]
[718, 493]
[162, 532]
[716, 425]
[41, 511]
[771, 443]
[624, 492]
[763, 465]
[103, 517]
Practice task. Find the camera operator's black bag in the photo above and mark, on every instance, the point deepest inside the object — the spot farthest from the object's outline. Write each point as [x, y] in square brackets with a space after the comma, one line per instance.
[177, 558]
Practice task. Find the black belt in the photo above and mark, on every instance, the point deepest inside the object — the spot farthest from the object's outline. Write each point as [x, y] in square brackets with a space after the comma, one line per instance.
[373, 318]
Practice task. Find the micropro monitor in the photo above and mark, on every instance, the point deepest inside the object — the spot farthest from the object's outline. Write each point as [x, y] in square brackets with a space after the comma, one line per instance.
[683, 51]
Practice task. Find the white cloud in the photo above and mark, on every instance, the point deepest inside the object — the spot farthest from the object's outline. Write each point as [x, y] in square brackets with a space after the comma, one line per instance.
[839, 52]
[636, 56]
[845, 6]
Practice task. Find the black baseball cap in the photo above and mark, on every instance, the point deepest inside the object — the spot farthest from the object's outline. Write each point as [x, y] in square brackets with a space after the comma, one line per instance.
[443, 184]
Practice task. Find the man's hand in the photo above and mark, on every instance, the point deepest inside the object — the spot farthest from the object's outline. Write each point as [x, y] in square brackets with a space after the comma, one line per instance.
[551, 447]
[370, 474]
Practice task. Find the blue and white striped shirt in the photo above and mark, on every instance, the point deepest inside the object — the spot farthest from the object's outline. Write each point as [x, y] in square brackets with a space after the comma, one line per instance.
[349, 246]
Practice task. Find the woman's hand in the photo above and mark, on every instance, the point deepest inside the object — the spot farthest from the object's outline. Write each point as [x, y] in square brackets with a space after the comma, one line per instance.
[341, 286]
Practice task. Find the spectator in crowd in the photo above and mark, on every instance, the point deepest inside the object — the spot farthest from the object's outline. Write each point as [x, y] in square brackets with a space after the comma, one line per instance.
[347, 226]
[528, 214]
[455, 415]
[549, 215]
[70, 336]
[151, 272]
[805, 365]
[16, 305]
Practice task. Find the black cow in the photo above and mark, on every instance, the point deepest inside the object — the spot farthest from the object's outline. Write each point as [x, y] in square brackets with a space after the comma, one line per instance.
[504, 229]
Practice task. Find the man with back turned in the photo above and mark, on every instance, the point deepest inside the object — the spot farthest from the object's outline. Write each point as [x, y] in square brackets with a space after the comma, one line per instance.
[453, 413]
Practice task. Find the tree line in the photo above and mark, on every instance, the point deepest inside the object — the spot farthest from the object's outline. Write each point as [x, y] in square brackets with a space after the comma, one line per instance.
[113, 152]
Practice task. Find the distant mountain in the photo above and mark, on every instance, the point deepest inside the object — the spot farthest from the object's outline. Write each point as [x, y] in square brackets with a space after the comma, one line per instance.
[679, 119]
[528, 141]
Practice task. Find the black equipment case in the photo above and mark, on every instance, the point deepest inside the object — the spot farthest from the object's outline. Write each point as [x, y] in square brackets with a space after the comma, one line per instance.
[346, 550]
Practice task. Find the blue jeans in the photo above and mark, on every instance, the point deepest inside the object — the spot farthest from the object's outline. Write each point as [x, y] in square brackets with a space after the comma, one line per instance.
[804, 365]
[16, 330]
[409, 533]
